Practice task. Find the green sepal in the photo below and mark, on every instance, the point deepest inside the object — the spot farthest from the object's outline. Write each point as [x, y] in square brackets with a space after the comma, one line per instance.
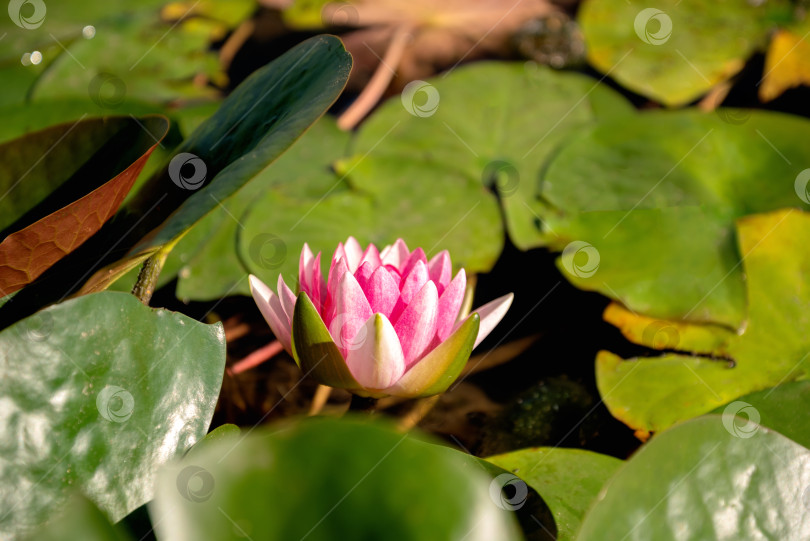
[315, 351]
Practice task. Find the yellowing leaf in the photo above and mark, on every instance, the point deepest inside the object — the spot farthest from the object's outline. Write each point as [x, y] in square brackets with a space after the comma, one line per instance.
[787, 64]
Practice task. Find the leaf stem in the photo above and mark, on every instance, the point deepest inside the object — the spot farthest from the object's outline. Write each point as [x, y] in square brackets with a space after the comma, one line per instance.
[148, 276]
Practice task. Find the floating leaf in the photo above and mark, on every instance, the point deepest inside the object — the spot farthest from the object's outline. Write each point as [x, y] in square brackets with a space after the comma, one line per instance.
[80, 518]
[780, 408]
[700, 481]
[674, 50]
[651, 394]
[322, 477]
[567, 479]
[787, 63]
[651, 201]
[98, 392]
[62, 184]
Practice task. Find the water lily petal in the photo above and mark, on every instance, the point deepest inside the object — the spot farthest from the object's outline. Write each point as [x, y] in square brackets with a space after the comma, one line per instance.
[449, 305]
[440, 269]
[437, 370]
[372, 255]
[379, 362]
[351, 312]
[317, 289]
[270, 307]
[491, 314]
[415, 257]
[354, 253]
[305, 263]
[337, 270]
[417, 324]
[287, 298]
[409, 287]
[382, 292]
[363, 274]
[395, 254]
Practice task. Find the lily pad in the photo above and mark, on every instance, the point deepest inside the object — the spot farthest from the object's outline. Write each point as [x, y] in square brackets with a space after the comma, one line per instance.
[699, 481]
[80, 518]
[568, 480]
[780, 408]
[674, 50]
[97, 392]
[490, 124]
[655, 196]
[707, 366]
[319, 479]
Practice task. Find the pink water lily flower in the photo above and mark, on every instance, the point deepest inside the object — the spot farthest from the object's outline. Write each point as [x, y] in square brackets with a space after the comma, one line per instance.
[382, 323]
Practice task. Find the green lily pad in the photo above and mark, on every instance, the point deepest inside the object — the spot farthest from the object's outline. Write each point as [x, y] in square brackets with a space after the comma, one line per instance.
[568, 480]
[80, 518]
[781, 408]
[98, 392]
[651, 394]
[655, 195]
[699, 481]
[490, 124]
[323, 479]
[674, 50]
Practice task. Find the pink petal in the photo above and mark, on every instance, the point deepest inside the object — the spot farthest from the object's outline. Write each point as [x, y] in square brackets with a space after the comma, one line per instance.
[305, 269]
[409, 287]
[417, 325]
[417, 256]
[287, 298]
[372, 255]
[396, 254]
[440, 269]
[449, 305]
[354, 253]
[317, 291]
[491, 314]
[270, 307]
[351, 313]
[382, 292]
[378, 362]
[336, 272]
[394, 273]
[363, 274]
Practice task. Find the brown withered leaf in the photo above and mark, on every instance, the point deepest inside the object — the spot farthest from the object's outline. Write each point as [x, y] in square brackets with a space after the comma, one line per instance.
[61, 184]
